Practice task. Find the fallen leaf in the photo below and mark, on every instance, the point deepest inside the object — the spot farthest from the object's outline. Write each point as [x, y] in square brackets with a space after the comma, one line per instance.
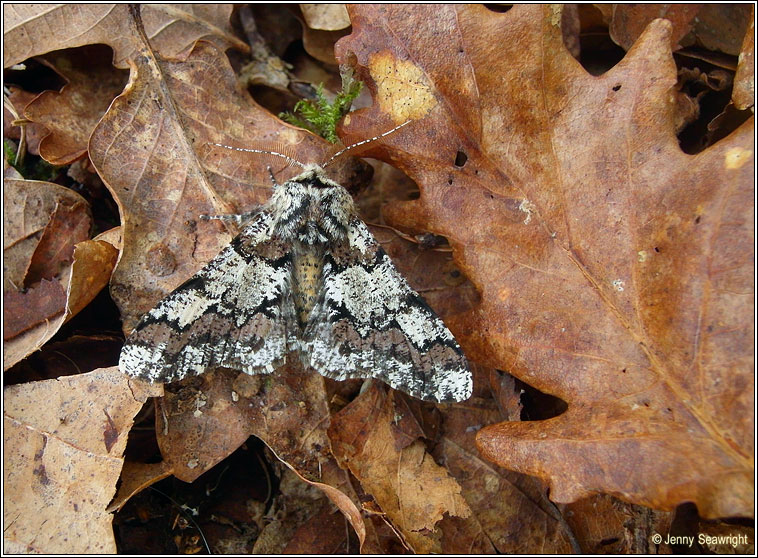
[509, 511]
[34, 29]
[83, 279]
[112, 237]
[34, 133]
[292, 507]
[743, 94]
[326, 17]
[721, 27]
[614, 270]
[41, 223]
[47, 299]
[27, 208]
[322, 533]
[723, 538]
[323, 25]
[64, 440]
[320, 44]
[93, 263]
[71, 114]
[68, 225]
[409, 487]
[626, 22]
[136, 477]
[203, 419]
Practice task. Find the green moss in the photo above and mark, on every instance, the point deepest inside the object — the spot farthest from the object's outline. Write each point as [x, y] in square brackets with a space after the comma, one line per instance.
[321, 116]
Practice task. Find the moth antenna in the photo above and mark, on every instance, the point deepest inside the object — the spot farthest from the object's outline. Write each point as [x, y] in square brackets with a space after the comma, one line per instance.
[349, 147]
[287, 150]
[290, 160]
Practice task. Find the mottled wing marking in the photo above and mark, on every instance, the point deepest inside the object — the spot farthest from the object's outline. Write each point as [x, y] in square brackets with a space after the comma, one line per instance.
[236, 312]
[368, 322]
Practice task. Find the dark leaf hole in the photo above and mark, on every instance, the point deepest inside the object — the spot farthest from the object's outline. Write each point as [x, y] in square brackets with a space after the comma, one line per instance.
[498, 8]
[460, 159]
[536, 405]
[617, 87]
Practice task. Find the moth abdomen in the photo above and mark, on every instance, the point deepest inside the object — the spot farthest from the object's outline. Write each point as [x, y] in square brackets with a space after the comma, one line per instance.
[307, 266]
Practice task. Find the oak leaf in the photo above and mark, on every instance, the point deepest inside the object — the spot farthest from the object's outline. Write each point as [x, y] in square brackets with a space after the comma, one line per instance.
[71, 114]
[33, 29]
[410, 488]
[64, 440]
[615, 270]
[46, 243]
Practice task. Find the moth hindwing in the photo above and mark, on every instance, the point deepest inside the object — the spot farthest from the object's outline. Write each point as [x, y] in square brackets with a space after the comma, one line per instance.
[304, 276]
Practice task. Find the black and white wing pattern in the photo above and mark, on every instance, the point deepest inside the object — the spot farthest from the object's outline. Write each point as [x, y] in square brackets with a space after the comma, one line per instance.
[368, 323]
[236, 312]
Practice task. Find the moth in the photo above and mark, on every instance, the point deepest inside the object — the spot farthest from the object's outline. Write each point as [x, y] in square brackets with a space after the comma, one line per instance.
[305, 276]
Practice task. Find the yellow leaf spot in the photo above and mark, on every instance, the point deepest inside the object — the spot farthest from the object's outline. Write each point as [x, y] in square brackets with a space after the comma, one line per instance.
[403, 90]
[736, 157]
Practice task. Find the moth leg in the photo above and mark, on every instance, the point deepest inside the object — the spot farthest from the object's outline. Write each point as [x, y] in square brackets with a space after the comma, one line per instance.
[236, 218]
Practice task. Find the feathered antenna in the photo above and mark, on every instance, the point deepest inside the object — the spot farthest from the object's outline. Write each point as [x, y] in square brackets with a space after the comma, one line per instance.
[349, 147]
[289, 159]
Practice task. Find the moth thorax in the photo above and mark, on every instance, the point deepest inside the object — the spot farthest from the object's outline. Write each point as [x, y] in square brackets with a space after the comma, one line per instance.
[306, 268]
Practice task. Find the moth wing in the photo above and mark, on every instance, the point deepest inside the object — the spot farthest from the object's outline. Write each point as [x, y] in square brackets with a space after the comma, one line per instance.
[236, 312]
[367, 322]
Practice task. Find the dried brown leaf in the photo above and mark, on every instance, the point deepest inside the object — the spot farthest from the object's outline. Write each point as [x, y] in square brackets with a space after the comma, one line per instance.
[509, 511]
[27, 208]
[41, 223]
[409, 487]
[64, 440]
[136, 477]
[93, 264]
[68, 225]
[320, 44]
[83, 279]
[71, 114]
[323, 533]
[604, 525]
[628, 21]
[743, 94]
[204, 419]
[33, 132]
[615, 270]
[326, 17]
[34, 29]
[721, 26]
[46, 300]
[292, 507]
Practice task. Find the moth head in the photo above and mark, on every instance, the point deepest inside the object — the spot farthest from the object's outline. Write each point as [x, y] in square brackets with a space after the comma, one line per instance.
[312, 208]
